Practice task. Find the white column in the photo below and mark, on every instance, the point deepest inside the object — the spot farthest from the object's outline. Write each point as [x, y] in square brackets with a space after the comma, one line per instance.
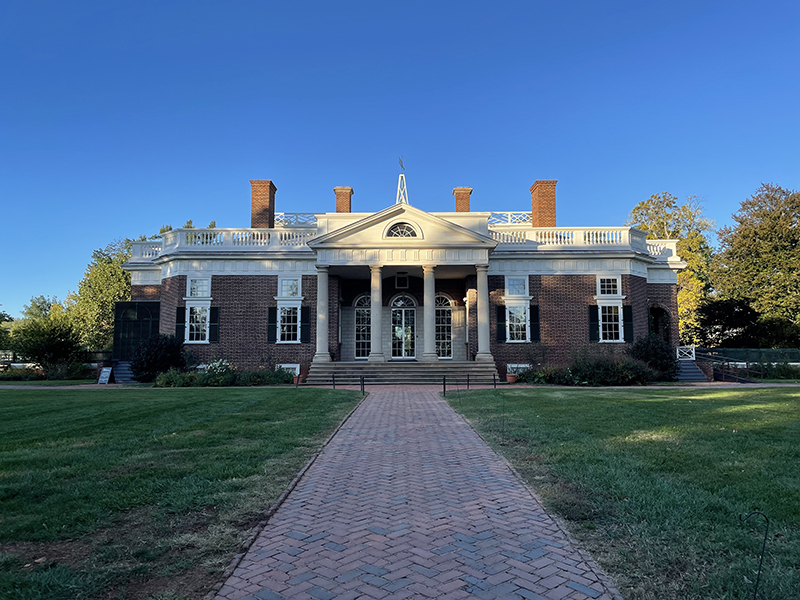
[376, 316]
[429, 320]
[484, 353]
[323, 354]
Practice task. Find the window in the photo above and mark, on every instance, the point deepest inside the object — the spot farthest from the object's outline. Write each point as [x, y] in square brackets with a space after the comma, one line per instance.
[363, 333]
[289, 287]
[401, 281]
[291, 367]
[401, 230]
[608, 285]
[516, 286]
[198, 288]
[288, 324]
[444, 327]
[517, 323]
[197, 330]
[610, 324]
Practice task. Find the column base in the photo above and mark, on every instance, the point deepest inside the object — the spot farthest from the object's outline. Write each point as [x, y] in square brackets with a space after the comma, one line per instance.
[323, 357]
[376, 357]
[430, 357]
[484, 357]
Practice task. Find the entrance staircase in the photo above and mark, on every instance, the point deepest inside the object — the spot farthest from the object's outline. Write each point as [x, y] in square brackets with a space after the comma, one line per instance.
[122, 372]
[403, 373]
[689, 372]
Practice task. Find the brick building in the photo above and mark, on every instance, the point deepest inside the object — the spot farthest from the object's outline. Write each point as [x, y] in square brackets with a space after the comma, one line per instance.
[400, 285]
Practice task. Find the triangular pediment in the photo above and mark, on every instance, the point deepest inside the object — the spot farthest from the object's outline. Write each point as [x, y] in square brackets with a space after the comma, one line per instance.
[374, 232]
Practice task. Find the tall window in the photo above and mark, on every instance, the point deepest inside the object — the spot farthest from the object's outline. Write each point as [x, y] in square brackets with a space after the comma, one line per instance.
[288, 324]
[517, 303]
[363, 318]
[610, 323]
[197, 330]
[444, 327]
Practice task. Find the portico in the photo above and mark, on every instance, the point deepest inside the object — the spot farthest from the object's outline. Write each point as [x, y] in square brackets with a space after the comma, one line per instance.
[405, 245]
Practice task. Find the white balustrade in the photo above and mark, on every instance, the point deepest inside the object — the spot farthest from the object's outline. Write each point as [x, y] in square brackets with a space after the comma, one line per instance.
[295, 220]
[509, 218]
[685, 352]
[557, 237]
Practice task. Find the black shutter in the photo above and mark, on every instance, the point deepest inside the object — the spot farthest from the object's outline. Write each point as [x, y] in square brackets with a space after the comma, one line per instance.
[534, 315]
[501, 323]
[594, 324]
[305, 324]
[627, 323]
[180, 323]
[272, 324]
[213, 325]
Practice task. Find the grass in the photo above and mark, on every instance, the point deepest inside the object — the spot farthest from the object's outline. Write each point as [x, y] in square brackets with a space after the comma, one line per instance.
[47, 382]
[653, 481]
[144, 493]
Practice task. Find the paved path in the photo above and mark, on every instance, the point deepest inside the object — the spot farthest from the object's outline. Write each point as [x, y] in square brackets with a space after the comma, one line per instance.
[408, 502]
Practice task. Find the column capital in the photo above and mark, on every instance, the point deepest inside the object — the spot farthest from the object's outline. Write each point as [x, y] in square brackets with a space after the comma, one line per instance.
[375, 268]
[428, 268]
[322, 267]
[481, 268]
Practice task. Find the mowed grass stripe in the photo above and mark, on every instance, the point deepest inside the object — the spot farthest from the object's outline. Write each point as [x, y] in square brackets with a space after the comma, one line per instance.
[653, 481]
[120, 488]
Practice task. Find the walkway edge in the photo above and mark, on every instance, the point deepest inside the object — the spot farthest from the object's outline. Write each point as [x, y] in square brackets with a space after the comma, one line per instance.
[588, 558]
[273, 508]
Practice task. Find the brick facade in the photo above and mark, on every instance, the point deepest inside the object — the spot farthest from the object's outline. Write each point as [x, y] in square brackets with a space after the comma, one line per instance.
[665, 296]
[145, 292]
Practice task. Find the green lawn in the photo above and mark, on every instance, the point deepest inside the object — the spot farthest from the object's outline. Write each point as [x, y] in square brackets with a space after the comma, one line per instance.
[653, 481]
[47, 382]
[144, 493]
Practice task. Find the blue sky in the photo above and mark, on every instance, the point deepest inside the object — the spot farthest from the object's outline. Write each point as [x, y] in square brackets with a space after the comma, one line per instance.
[119, 117]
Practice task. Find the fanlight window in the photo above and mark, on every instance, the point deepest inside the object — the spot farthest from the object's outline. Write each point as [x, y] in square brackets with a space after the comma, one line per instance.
[401, 230]
[403, 301]
[442, 302]
[362, 302]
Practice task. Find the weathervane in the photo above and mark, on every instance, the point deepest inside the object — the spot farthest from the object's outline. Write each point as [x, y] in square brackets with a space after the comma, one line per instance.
[402, 192]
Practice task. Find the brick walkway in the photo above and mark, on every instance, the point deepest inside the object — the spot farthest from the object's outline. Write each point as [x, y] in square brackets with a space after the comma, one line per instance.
[408, 502]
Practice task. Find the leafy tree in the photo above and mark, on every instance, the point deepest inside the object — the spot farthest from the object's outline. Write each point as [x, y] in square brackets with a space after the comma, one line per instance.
[91, 308]
[658, 354]
[663, 218]
[212, 225]
[5, 330]
[51, 343]
[188, 224]
[759, 258]
[39, 307]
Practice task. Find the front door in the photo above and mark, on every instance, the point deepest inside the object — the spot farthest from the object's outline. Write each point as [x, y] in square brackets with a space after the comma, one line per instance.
[403, 328]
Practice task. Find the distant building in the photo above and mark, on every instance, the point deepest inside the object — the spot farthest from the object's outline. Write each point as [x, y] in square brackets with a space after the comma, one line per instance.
[401, 284]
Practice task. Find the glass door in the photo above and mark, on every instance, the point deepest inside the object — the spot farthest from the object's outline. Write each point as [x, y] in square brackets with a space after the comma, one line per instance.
[444, 328]
[403, 327]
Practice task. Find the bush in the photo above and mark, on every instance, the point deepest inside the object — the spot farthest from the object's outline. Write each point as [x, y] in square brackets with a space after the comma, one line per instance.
[51, 343]
[611, 370]
[22, 375]
[157, 355]
[780, 371]
[658, 354]
[223, 375]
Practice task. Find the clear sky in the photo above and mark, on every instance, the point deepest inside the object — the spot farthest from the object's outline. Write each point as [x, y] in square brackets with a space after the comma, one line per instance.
[119, 117]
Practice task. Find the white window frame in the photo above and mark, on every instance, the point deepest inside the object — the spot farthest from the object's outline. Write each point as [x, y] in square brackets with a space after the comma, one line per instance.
[620, 321]
[190, 304]
[298, 279]
[517, 368]
[610, 300]
[189, 281]
[288, 304]
[618, 278]
[293, 367]
[518, 301]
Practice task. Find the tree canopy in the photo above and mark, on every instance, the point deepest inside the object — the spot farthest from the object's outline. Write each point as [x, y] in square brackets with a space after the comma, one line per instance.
[91, 307]
[661, 217]
[759, 257]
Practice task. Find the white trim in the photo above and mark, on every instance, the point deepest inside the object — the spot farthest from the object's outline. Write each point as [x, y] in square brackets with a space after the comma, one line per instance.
[402, 220]
[617, 278]
[526, 306]
[620, 320]
[289, 367]
[298, 279]
[517, 368]
[522, 276]
[195, 303]
[288, 304]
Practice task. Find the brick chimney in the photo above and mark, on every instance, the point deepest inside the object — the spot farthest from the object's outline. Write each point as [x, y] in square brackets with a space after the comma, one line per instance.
[462, 195]
[543, 203]
[343, 197]
[262, 204]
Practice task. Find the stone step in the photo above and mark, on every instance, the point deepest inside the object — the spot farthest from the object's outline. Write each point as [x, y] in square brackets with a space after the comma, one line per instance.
[689, 372]
[122, 372]
[398, 373]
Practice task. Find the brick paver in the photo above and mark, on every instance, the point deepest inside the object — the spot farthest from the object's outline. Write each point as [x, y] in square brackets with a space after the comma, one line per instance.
[407, 501]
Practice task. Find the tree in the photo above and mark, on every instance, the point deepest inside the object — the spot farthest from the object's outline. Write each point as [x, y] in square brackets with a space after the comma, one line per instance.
[759, 258]
[91, 308]
[51, 343]
[5, 330]
[39, 307]
[661, 217]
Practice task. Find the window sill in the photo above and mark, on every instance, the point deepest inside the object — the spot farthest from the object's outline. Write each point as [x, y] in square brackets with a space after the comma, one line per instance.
[195, 342]
[293, 342]
[518, 341]
[612, 341]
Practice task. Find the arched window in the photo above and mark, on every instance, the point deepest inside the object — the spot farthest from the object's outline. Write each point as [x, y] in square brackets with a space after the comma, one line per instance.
[444, 327]
[401, 230]
[363, 322]
[403, 301]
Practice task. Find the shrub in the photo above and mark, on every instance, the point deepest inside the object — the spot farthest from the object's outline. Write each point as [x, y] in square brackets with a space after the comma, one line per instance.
[611, 370]
[22, 375]
[223, 376]
[51, 343]
[658, 354]
[157, 355]
[780, 370]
